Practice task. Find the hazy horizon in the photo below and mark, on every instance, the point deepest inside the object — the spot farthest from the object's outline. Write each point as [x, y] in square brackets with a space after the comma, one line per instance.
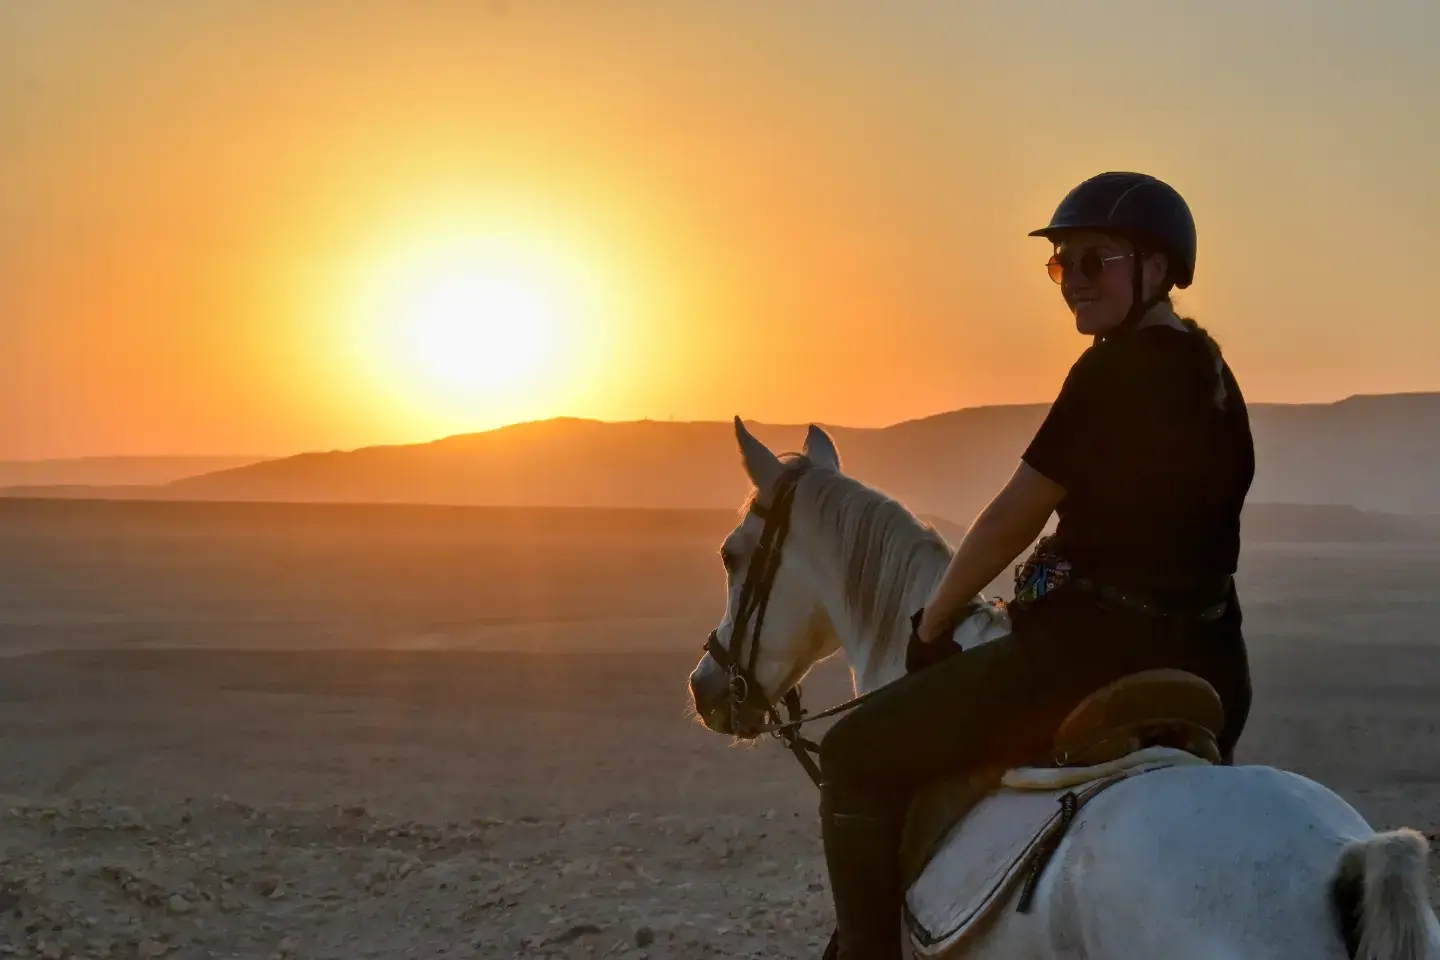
[423, 440]
[258, 227]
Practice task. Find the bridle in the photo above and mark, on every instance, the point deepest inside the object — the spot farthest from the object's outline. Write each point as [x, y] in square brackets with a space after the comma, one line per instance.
[754, 597]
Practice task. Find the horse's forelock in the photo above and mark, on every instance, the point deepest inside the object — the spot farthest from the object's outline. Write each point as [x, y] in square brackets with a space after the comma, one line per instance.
[790, 460]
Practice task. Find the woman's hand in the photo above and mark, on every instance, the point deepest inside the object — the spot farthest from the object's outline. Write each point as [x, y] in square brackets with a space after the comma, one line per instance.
[931, 628]
[1012, 521]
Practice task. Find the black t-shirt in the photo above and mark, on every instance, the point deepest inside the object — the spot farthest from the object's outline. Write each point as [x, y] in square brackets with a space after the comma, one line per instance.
[1155, 474]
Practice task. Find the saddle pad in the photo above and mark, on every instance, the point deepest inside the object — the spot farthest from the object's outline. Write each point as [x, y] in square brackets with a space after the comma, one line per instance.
[984, 858]
[1053, 778]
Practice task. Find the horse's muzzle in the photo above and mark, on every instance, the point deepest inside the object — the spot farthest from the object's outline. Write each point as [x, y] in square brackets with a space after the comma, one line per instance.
[710, 693]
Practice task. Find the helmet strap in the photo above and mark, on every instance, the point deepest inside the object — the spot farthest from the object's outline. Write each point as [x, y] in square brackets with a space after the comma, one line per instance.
[1138, 305]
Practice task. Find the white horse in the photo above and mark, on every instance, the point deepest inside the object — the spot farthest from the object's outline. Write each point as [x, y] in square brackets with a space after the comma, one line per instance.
[1193, 861]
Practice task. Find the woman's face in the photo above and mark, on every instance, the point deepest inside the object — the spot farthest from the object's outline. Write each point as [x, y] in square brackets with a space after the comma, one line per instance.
[1097, 280]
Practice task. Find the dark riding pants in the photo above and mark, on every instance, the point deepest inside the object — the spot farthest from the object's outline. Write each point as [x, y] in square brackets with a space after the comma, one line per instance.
[1003, 701]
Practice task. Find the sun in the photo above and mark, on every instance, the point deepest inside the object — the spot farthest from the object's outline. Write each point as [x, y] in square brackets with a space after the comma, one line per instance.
[467, 330]
[474, 324]
[443, 327]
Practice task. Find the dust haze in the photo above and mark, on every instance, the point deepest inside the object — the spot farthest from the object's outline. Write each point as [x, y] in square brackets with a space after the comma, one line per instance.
[260, 730]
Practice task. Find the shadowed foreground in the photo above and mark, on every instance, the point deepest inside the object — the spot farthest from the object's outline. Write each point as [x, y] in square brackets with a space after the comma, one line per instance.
[400, 779]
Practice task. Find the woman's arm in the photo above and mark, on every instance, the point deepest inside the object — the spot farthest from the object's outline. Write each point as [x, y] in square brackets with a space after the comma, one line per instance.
[1011, 522]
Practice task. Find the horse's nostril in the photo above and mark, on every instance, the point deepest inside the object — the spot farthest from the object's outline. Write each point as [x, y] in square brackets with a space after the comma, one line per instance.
[709, 692]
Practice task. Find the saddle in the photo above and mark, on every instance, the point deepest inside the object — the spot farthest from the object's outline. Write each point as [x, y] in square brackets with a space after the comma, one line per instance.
[1129, 723]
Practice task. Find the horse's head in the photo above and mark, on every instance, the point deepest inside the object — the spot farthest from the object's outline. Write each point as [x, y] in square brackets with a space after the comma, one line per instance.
[775, 627]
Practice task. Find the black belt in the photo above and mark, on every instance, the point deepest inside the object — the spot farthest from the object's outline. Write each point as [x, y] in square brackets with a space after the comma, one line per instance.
[1139, 602]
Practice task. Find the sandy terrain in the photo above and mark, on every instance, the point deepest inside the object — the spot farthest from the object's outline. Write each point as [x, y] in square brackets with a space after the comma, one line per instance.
[259, 733]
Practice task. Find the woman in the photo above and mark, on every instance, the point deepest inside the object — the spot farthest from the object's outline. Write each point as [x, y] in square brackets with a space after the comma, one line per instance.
[1146, 456]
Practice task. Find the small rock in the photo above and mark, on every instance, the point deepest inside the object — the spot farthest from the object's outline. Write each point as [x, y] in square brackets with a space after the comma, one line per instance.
[287, 945]
[644, 937]
[179, 905]
[130, 820]
[577, 931]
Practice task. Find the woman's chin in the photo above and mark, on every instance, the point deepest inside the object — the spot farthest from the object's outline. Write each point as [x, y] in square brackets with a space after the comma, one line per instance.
[1090, 321]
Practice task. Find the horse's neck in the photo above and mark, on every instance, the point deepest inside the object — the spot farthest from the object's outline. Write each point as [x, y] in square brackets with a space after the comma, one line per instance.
[876, 655]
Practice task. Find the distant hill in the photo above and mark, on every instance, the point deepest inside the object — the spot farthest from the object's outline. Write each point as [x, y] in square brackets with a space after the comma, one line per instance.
[1309, 523]
[1374, 453]
[112, 471]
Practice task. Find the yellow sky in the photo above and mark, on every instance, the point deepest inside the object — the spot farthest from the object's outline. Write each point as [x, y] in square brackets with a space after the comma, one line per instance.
[807, 211]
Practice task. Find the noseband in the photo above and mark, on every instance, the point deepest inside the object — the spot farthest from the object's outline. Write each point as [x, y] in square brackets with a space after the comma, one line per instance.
[754, 597]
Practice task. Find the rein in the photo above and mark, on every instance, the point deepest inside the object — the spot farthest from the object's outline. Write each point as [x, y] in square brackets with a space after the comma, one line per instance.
[754, 598]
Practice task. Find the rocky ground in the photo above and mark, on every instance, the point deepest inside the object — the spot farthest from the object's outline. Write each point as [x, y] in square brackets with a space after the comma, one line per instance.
[280, 824]
[217, 878]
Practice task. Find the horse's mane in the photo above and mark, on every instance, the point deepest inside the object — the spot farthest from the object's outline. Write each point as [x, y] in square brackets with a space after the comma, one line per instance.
[884, 550]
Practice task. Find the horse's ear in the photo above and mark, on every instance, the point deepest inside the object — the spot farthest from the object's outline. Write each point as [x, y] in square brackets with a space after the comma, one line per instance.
[820, 449]
[763, 466]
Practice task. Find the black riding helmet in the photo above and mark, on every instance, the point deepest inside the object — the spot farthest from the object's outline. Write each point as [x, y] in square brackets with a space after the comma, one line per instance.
[1148, 212]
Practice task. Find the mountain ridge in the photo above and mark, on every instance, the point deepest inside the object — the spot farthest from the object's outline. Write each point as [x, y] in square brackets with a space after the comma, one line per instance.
[1375, 452]
[116, 470]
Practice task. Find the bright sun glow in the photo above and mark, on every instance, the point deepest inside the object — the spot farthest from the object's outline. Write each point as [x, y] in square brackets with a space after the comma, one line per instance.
[478, 325]
[457, 331]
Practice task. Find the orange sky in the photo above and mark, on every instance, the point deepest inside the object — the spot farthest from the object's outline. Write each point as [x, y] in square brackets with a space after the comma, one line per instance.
[799, 211]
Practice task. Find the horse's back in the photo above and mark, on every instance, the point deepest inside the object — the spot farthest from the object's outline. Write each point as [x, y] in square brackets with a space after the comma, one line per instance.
[1208, 861]
[1191, 861]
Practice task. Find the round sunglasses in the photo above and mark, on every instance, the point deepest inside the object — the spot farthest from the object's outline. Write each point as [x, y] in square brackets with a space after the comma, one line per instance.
[1090, 263]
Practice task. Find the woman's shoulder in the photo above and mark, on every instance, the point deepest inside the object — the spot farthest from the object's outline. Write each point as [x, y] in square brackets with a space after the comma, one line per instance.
[1161, 349]
[1151, 363]
[1103, 361]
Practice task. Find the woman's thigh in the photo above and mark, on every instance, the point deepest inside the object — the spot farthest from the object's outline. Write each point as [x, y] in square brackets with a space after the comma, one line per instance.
[992, 703]
[1002, 702]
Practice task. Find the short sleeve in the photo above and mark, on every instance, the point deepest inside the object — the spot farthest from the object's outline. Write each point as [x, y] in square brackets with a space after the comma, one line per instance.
[1066, 445]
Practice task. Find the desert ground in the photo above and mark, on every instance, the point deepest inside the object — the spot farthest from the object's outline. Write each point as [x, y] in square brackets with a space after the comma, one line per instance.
[276, 731]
